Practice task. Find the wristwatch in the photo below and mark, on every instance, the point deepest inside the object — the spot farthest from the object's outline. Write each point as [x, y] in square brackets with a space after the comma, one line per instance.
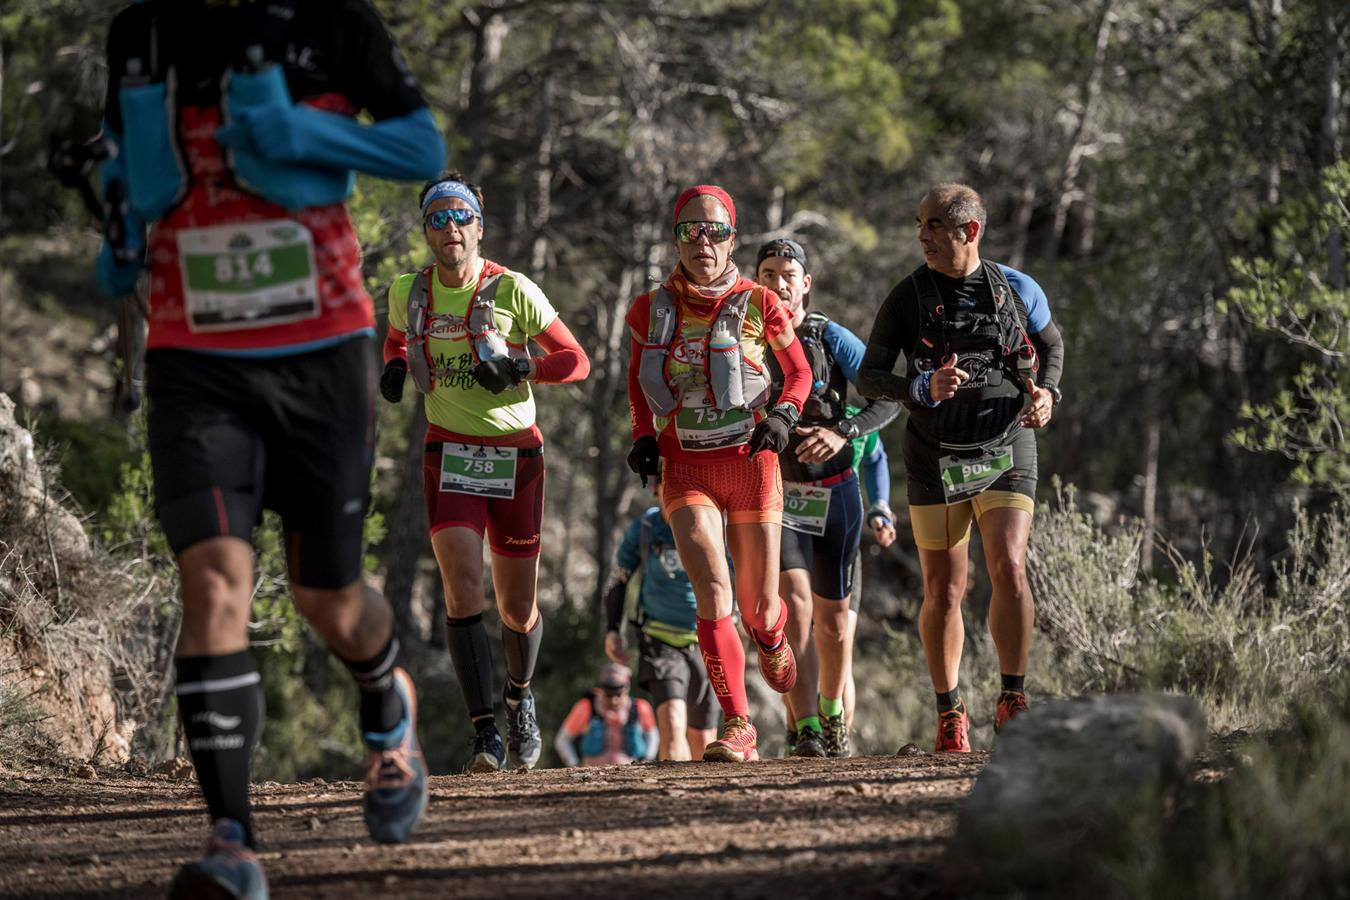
[789, 411]
[1055, 395]
[847, 427]
[522, 368]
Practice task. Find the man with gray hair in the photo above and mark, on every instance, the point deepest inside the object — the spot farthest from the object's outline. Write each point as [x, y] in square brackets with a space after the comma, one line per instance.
[980, 361]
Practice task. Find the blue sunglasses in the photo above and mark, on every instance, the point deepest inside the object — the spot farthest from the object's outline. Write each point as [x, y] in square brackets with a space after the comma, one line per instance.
[441, 218]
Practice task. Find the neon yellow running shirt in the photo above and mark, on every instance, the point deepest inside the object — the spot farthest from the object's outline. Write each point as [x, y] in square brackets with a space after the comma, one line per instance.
[457, 402]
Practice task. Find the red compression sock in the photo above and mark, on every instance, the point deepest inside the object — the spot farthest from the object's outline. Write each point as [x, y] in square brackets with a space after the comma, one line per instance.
[724, 656]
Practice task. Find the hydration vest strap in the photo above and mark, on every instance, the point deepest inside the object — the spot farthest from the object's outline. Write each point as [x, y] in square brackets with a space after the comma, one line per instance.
[662, 321]
[735, 382]
[1019, 362]
[479, 323]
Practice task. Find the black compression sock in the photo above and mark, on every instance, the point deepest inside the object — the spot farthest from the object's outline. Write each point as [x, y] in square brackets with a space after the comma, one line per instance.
[221, 706]
[472, 656]
[1014, 683]
[946, 702]
[381, 706]
[522, 651]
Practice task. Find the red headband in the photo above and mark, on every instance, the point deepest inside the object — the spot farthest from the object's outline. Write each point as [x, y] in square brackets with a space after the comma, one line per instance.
[706, 190]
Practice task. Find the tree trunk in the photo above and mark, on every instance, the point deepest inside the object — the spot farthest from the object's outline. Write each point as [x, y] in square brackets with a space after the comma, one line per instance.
[1021, 223]
[1330, 149]
[1084, 135]
[406, 540]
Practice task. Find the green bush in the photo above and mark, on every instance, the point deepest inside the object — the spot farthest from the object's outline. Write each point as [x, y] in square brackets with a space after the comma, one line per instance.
[1241, 645]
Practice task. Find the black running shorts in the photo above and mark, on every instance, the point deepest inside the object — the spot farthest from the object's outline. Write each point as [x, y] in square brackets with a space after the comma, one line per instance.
[923, 474]
[230, 436]
[830, 557]
[675, 673]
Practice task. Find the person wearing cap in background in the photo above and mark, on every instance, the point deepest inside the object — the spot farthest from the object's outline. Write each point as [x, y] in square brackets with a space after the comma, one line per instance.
[461, 327]
[608, 726]
[701, 402]
[823, 513]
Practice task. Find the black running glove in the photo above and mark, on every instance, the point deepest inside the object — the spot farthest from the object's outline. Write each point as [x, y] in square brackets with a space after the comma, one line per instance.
[391, 380]
[498, 374]
[645, 458]
[773, 431]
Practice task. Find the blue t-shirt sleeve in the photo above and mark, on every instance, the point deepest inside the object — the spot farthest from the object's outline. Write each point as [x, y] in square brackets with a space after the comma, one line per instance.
[1038, 308]
[629, 553]
[877, 474]
[846, 349]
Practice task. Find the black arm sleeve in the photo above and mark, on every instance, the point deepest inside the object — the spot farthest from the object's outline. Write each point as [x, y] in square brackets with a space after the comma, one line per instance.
[614, 602]
[374, 74]
[895, 328]
[875, 415]
[1049, 344]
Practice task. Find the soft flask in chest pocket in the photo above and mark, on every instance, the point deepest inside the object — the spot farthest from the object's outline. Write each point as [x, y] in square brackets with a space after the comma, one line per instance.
[288, 185]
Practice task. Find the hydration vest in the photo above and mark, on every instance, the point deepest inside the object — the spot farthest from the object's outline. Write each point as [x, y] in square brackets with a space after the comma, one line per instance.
[990, 342]
[734, 381]
[824, 405]
[150, 98]
[485, 340]
[592, 741]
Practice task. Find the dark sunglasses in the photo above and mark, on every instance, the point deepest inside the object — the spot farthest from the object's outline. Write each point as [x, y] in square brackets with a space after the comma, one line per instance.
[442, 217]
[690, 232]
[613, 691]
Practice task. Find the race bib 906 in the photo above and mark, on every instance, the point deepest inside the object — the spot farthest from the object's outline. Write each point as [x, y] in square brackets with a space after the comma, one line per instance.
[964, 478]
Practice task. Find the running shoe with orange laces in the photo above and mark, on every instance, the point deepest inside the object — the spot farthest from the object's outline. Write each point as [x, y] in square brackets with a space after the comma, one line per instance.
[1010, 705]
[737, 743]
[229, 869]
[779, 667]
[953, 734]
[396, 774]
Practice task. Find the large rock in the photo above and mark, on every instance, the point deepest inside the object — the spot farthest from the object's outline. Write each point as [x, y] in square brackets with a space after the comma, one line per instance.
[52, 653]
[25, 490]
[1071, 781]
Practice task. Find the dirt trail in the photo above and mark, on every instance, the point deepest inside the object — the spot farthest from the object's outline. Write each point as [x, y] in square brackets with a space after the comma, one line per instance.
[872, 826]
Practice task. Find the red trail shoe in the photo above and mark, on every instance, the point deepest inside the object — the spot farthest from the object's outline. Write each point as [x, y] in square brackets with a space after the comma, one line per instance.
[1011, 704]
[737, 743]
[779, 667]
[953, 734]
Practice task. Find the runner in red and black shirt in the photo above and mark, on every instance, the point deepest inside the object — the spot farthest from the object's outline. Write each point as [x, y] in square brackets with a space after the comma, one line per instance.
[699, 392]
[238, 149]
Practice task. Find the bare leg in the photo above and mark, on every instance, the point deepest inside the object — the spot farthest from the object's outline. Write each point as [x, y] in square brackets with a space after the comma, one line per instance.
[940, 626]
[794, 588]
[671, 723]
[1005, 533]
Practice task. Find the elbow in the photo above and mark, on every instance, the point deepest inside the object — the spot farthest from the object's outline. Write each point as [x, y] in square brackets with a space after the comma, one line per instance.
[583, 367]
[867, 384]
[426, 147]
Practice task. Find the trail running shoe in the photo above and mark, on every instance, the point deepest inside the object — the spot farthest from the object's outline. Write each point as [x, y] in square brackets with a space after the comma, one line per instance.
[791, 743]
[779, 667]
[835, 731]
[228, 871]
[489, 754]
[396, 773]
[953, 734]
[1010, 705]
[737, 743]
[522, 733]
[810, 744]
